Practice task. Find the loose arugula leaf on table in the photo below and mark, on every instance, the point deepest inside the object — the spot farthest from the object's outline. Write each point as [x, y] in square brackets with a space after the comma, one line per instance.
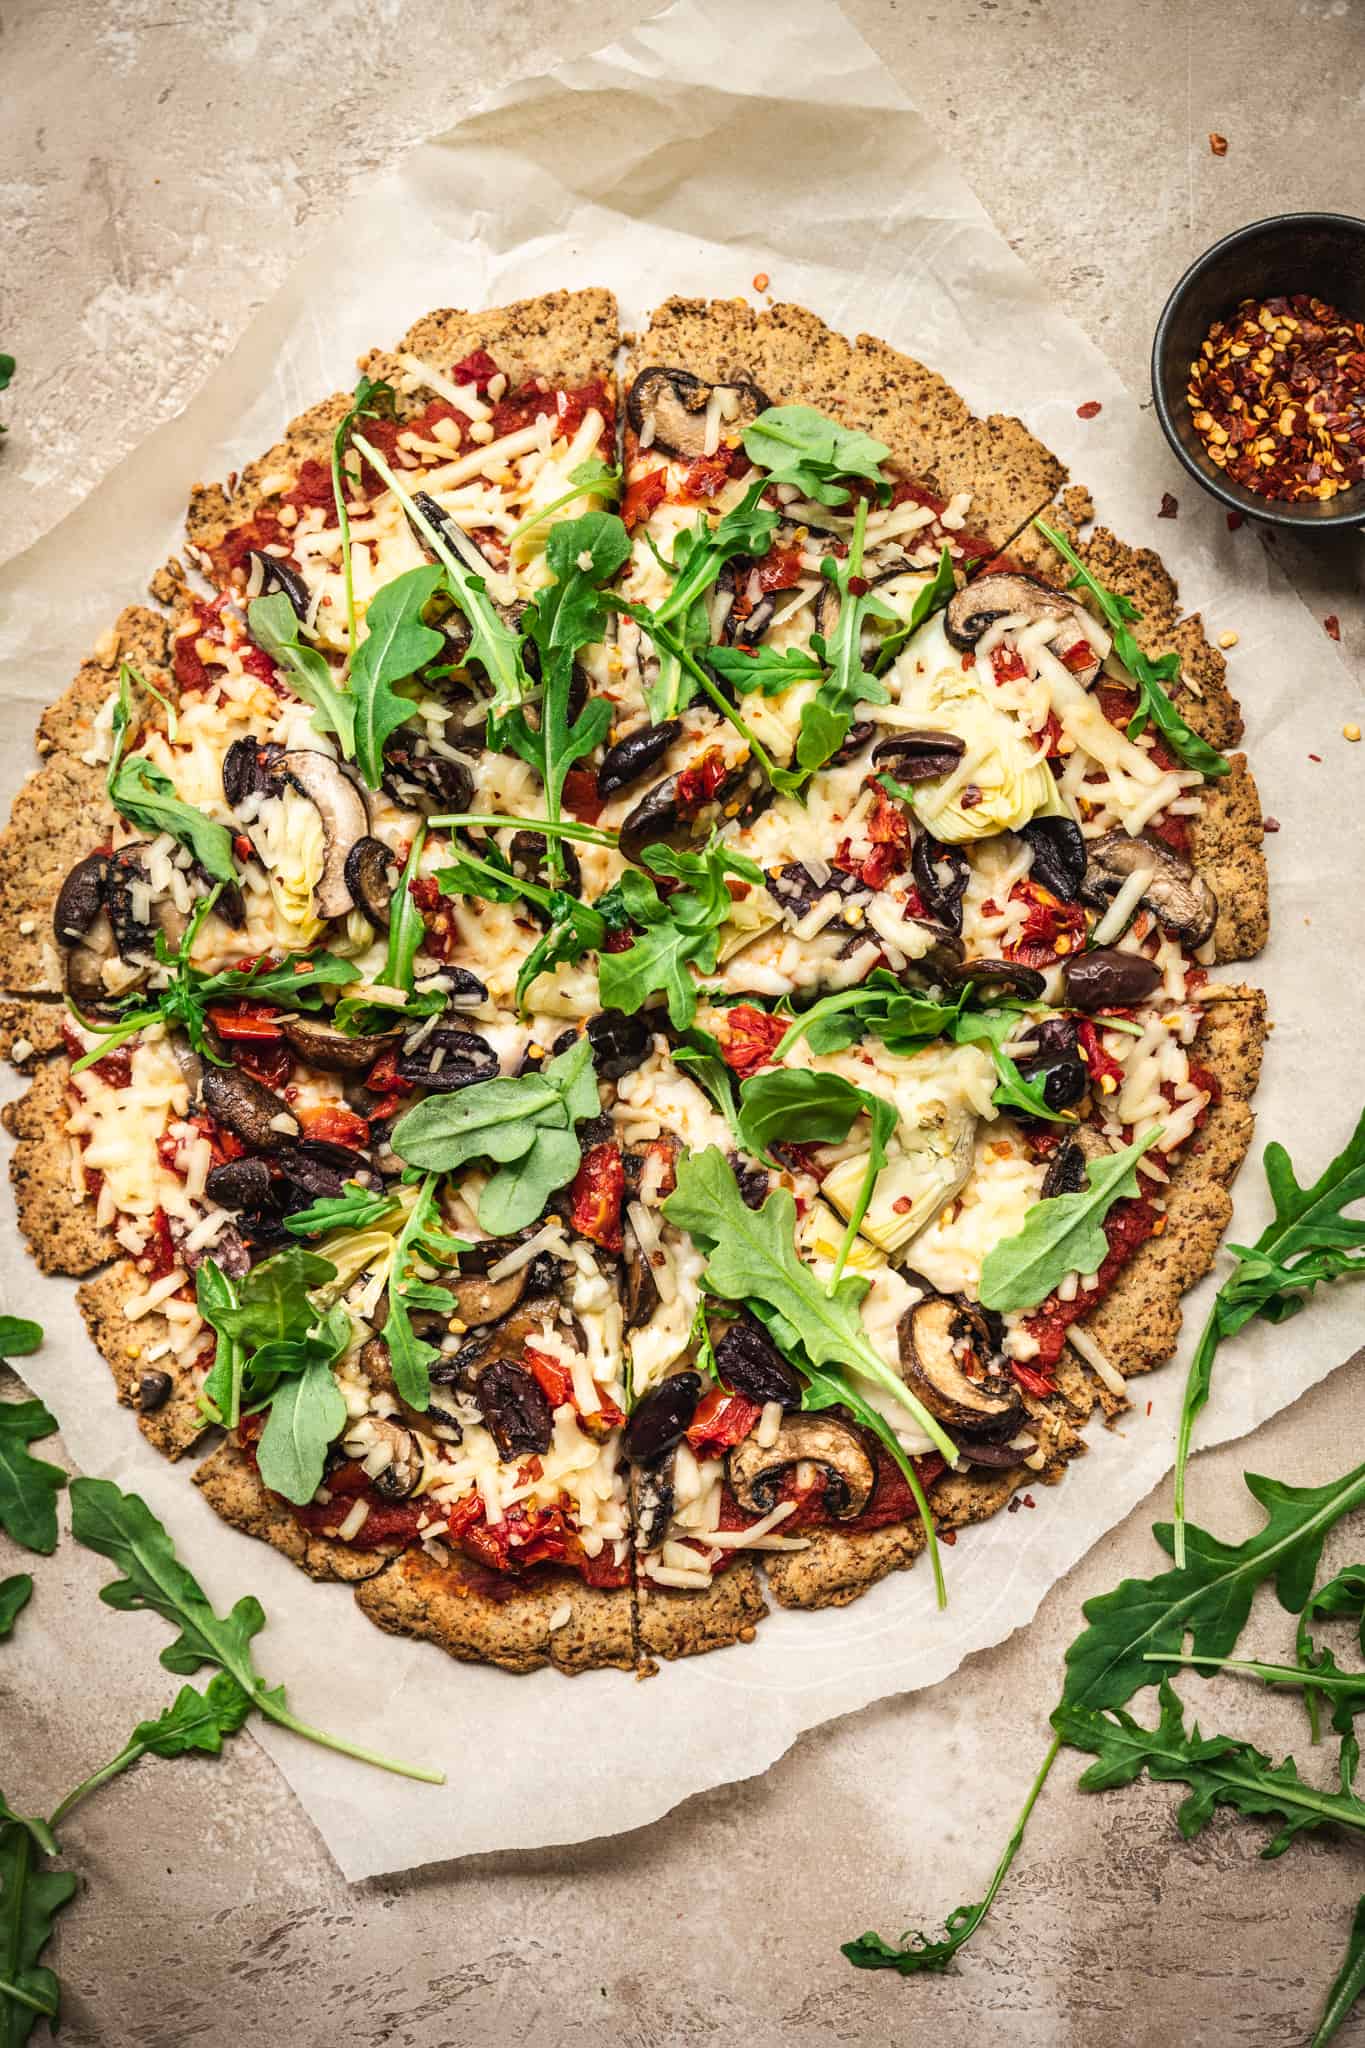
[1309, 1240]
[934, 596]
[395, 647]
[15, 1594]
[828, 715]
[194, 1721]
[1347, 1985]
[680, 931]
[274, 625]
[747, 669]
[121, 1526]
[493, 644]
[19, 1336]
[1013, 1089]
[567, 615]
[797, 445]
[28, 1485]
[30, 1899]
[523, 1124]
[1151, 676]
[1062, 1234]
[356, 1209]
[421, 1238]
[880, 1007]
[752, 1258]
[372, 399]
[801, 1103]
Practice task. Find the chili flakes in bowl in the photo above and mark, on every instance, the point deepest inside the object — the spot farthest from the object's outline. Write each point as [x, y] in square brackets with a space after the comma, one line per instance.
[1277, 394]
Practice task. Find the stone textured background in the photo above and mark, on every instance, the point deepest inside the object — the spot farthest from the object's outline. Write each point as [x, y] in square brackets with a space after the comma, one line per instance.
[162, 163]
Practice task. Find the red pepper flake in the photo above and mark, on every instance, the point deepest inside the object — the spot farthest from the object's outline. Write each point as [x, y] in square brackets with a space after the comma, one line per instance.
[1270, 824]
[1218, 144]
[1169, 506]
[1315, 757]
[1331, 626]
[1236, 519]
[1090, 410]
[1277, 396]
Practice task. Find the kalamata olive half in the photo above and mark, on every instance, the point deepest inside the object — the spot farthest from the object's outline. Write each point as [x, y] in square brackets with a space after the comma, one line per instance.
[635, 755]
[619, 1043]
[529, 858]
[919, 756]
[941, 875]
[369, 879]
[446, 1060]
[751, 1363]
[239, 1184]
[154, 1390]
[1056, 1060]
[417, 778]
[277, 576]
[517, 1414]
[321, 1169]
[662, 1417]
[1058, 855]
[80, 898]
[1110, 979]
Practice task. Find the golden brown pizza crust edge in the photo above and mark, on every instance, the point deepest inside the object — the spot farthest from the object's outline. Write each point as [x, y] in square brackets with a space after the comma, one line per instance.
[177, 1425]
[795, 358]
[58, 1225]
[415, 1596]
[671, 1622]
[234, 1490]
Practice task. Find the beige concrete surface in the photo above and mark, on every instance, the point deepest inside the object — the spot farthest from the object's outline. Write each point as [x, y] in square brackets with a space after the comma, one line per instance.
[162, 162]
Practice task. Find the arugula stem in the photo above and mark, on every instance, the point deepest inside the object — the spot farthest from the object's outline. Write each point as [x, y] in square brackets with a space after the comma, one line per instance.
[285, 1719]
[780, 778]
[128, 1755]
[1270, 1674]
[547, 827]
[1195, 1398]
[344, 530]
[605, 486]
[38, 2005]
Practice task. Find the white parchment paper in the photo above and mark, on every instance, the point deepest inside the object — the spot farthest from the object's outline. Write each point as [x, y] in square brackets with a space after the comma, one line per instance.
[714, 144]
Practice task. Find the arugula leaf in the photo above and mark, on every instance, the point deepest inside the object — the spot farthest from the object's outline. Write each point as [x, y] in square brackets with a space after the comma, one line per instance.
[827, 717]
[751, 1258]
[797, 445]
[786, 781]
[121, 1526]
[372, 399]
[18, 1336]
[747, 669]
[934, 596]
[395, 646]
[680, 932]
[307, 1409]
[1013, 1090]
[698, 1053]
[575, 928]
[594, 477]
[355, 1210]
[262, 1324]
[1061, 1234]
[823, 1108]
[194, 1721]
[492, 643]
[28, 1485]
[1347, 1985]
[903, 1019]
[274, 625]
[420, 1238]
[15, 1594]
[1151, 676]
[526, 1125]
[1310, 1239]
[30, 1900]
[1209, 1597]
[145, 795]
[872, 1953]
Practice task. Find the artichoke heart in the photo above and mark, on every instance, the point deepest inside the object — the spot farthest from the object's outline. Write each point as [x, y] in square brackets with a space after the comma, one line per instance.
[1002, 779]
[931, 1166]
[819, 1234]
[291, 841]
[748, 918]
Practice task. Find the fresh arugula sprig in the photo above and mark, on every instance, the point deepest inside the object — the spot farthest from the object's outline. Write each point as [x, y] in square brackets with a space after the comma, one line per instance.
[679, 626]
[1346, 1986]
[356, 1209]
[797, 445]
[880, 1007]
[679, 932]
[1154, 706]
[747, 669]
[422, 1239]
[30, 1899]
[120, 1526]
[524, 1124]
[144, 794]
[785, 781]
[593, 478]
[1026, 1094]
[396, 645]
[15, 1593]
[193, 1721]
[372, 399]
[28, 1486]
[817, 1108]
[828, 715]
[274, 626]
[574, 928]
[493, 644]
[1061, 1234]
[699, 1054]
[932, 598]
[568, 614]
[1309, 1240]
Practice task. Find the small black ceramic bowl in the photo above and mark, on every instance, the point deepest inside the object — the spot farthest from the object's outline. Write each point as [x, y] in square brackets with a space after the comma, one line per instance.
[1322, 253]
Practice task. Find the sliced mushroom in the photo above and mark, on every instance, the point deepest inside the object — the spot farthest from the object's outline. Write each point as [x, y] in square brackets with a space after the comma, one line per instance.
[661, 1418]
[1058, 855]
[250, 770]
[634, 756]
[252, 1112]
[134, 935]
[940, 1338]
[639, 1289]
[269, 574]
[370, 878]
[972, 1451]
[756, 1473]
[980, 604]
[1177, 897]
[515, 1410]
[345, 819]
[81, 927]
[668, 410]
[448, 1059]
[1008, 976]
[321, 1169]
[377, 1366]
[652, 1490]
[401, 1476]
[419, 779]
[322, 1045]
[750, 1362]
[242, 1184]
[1107, 978]
[480, 1301]
[505, 1339]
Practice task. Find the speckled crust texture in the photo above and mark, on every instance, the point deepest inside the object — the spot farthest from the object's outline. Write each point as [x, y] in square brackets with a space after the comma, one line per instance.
[795, 359]
[31, 1021]
[569, 337]
[232, 1487]
[58, 1224]
[673, 1623]
[450, 1606]
[175, 1426]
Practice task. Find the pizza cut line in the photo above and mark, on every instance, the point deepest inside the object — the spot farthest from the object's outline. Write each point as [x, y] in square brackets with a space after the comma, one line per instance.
[622, 982]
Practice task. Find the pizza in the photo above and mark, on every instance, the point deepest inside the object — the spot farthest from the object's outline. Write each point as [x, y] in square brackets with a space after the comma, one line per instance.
[622, 979]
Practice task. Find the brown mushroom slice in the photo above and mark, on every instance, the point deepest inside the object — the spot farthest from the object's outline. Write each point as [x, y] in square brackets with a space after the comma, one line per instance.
[367, 876]
[1177, 897]
[756, 1473]
[322, 1045]
[670, 409]
[937, 1337]
[479, 1300]
[251, 1111]
[345, 819]
[439, 1414]
[401, 1476]
[977, 607]
[81, 927]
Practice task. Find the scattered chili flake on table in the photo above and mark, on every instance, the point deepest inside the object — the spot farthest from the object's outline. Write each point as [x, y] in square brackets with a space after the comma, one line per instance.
[1236, 519]
[1089, 409]
[1331, 626]
[1218, 144]
[1169, 506]
[1270, 824]
[1277, 395]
